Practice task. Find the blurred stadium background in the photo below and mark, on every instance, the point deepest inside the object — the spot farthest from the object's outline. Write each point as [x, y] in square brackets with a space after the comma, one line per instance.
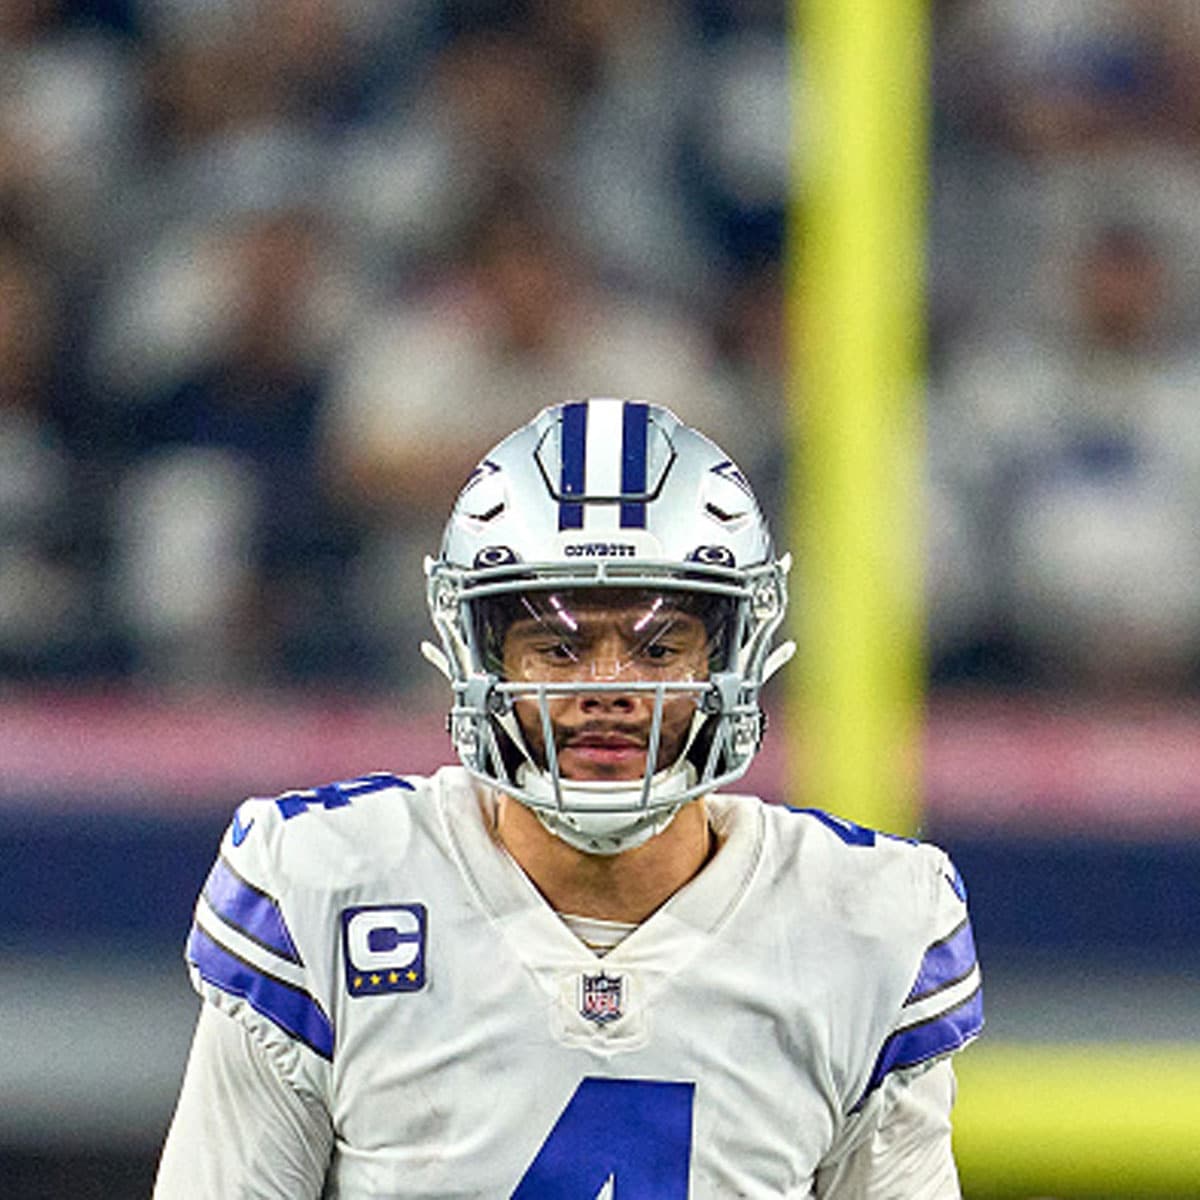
[273, 273]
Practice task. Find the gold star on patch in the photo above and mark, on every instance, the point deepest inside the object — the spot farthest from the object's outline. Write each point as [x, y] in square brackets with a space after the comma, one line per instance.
[375, 980]
[358, 981]
[410, 975]
[393, 977]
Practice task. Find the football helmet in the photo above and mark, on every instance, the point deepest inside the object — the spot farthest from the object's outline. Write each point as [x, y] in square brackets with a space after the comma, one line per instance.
[618, 504]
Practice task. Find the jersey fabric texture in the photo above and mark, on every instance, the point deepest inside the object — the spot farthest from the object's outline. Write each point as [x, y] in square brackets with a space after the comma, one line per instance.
[397, 979]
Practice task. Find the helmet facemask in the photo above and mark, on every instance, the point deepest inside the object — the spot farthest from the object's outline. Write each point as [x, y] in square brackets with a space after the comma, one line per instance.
[673, 664]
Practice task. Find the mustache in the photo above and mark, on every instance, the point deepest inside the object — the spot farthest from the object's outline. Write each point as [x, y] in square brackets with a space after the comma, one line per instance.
[600, 728]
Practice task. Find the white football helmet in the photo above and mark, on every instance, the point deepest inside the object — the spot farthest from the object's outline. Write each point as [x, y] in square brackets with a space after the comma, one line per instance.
[621, 496]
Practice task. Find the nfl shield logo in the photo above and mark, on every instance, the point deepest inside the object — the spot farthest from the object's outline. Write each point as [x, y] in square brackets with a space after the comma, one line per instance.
[600, 998]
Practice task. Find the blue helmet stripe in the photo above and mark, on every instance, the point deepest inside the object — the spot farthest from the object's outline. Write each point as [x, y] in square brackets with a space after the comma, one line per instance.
[293, 1010]
[633, 465]
[571, 482]
[250, 911]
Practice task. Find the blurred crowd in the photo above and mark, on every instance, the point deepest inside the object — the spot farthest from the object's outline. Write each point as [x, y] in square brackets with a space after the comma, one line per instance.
[1065, 382]
[275, 273]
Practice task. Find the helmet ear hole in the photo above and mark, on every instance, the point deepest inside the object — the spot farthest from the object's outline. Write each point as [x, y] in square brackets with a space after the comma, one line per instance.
[510, 753]
[701, 747]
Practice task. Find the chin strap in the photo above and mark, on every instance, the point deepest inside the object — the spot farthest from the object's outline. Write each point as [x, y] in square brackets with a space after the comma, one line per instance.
[604, 832]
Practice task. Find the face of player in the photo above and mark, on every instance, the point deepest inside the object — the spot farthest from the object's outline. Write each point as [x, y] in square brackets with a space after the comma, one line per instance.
[611, 637]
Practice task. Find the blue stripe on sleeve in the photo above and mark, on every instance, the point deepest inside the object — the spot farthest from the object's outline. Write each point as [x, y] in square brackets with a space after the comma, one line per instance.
[945, 963]
[571, 482]
[250, 911]
[634, 426]
[293, 1010]
[929, 1039]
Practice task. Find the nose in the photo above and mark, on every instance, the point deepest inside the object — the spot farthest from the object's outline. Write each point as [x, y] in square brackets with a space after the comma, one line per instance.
[605, 702]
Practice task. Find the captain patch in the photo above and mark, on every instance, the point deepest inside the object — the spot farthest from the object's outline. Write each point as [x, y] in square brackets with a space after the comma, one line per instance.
[384, 948]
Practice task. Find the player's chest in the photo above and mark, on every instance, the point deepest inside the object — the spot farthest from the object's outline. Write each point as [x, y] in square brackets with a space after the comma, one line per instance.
[464, 1069]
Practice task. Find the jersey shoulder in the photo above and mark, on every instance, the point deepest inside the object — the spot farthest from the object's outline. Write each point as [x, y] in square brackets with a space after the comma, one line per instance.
[898, 907]
[900, 876]
[331, 834]
[267, 923]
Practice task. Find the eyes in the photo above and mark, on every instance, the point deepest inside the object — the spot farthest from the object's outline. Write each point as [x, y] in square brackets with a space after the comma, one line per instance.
[675, 648]
[559, 652]
[569, 652]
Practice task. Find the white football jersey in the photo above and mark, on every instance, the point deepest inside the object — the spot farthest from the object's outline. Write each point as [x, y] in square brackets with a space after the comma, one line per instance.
[401, 973]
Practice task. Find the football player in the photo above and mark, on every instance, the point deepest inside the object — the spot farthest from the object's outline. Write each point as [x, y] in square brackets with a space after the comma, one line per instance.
[572, 966]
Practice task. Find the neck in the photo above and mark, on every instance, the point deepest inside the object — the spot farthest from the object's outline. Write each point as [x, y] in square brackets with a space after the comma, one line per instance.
[616, 887]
